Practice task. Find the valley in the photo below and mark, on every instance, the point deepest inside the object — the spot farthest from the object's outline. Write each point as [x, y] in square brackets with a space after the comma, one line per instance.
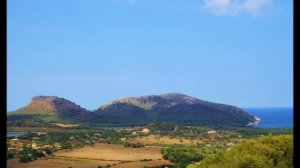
[168, 130]
[154, 145]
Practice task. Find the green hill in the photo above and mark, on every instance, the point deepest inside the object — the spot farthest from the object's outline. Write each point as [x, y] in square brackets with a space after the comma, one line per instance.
[174, 107]
[44, 110]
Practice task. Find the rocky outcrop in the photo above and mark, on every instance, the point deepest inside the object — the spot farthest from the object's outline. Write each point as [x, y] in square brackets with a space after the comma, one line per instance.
[56, 105]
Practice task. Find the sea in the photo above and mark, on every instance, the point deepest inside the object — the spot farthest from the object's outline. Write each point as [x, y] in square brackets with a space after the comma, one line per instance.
[17, 133]
[273, 117]
[14, 134]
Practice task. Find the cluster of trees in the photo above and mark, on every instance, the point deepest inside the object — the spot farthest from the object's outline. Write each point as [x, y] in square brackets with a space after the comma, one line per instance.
[225, 132]
[68, 140]
[62, 138]
[249, 132]
[181, 156]
[145, 160]
[28, 154]
[28, 122]
[134, 145]
[162, 126]
[29, 135]
[266, 151]
[9, 155]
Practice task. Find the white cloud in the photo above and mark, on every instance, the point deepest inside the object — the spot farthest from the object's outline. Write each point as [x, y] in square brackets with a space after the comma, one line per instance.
[232, 7]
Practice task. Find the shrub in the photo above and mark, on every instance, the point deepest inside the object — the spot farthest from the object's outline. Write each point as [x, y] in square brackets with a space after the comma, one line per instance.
[145, 160]
[181, 156]
[9, 155]
[134, 145]
[40, 153]
[25, 159]
[48, 151]
[268, 151]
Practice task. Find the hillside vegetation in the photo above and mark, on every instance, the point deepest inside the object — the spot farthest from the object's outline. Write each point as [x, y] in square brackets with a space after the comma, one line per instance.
[132, 111]
[173, 107]
[266, 151]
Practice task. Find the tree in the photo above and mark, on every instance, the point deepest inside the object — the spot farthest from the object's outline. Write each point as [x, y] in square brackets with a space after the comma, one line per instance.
[25, 159]
[268, 151]
[9, 155]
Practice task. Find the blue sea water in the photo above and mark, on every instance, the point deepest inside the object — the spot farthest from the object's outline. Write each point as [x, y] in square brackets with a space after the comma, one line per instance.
[14, 134]
[273, 117]
[17, 133]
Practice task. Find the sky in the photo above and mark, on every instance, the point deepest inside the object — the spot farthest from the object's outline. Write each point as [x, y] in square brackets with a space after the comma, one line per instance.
[237, 52]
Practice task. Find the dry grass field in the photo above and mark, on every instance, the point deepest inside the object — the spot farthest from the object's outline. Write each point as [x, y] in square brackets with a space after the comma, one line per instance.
[66, 125]
[113, 152]
[101, 154]
[155, 139]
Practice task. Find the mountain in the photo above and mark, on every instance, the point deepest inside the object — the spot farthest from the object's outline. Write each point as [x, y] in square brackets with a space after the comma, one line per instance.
[131, 111]
[173, 107]
[53, 104]
[43, 110]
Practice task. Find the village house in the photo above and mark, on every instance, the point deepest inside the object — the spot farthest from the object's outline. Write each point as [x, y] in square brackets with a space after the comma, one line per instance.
[146, 130]
[57, 146]
[230, 144]
[34, 146]
[35, 138]
[42, 133]
[13, 150]
[176, 128]
[211, 132]
[14, 142]
[47, 147]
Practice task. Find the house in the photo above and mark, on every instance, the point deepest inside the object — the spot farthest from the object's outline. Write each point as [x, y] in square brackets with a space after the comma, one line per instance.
[123, 139]
[34, 146]
[57, 145]
[13, 150]
[47, 147]
[145, 130]
[211, 132]
[14, 142]
[35, 138]
[41, 133]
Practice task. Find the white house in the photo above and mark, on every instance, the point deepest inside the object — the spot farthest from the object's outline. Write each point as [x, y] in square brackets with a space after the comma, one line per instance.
[211, 132]
[145, 130]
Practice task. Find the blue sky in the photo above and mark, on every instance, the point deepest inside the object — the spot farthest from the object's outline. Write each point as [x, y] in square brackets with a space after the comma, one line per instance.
[237, 52]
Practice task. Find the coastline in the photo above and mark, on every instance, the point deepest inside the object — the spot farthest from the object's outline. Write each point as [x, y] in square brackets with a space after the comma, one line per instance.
[256, 122]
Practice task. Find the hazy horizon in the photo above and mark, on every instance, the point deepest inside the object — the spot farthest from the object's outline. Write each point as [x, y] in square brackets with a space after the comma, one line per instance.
[92, 52]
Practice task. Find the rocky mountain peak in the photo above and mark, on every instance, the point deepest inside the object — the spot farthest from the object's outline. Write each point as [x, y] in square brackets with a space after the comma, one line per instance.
[53, 104]
[180, 98]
